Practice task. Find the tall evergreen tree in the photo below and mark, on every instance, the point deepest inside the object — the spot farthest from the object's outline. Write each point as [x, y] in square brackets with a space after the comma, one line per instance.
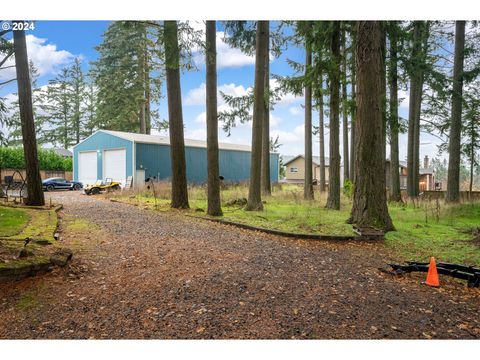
[417, 67]
[333, 201]
[265, 177]
[214, 207]
[78, 86]
[308, 182]
[395, 194]
[14, 122]
[369, 200]
[453, 184]
[321, 133]
[175, 116]
[34, 182]
[353, 105]
[346, 169]
[129, 55]
[63, 106]
[254, 194]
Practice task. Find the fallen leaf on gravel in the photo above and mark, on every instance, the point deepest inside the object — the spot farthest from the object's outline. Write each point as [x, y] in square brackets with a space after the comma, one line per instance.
[200, 330]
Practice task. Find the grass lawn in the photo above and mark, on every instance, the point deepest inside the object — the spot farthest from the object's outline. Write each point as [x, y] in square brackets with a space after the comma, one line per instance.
[28, 222]
[443, 231]
[12, 221]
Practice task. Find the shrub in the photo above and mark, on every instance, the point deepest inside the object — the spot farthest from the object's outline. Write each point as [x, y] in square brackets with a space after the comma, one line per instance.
[12, 158]
[348, 188]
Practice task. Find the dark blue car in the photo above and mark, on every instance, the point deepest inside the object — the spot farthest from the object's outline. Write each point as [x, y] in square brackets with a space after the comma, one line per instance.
[61, 184]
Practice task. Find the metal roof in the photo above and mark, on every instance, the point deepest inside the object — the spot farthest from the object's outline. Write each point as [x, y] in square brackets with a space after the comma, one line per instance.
[315, 159]
[165, 140]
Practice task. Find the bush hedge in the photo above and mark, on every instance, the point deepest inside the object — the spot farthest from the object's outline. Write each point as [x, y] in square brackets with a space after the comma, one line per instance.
[12, 158]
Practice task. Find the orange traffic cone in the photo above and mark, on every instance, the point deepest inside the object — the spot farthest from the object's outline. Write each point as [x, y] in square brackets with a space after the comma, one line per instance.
[432, 275]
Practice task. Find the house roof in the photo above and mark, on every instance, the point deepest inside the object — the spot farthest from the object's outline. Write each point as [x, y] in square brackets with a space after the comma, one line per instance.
[165, 140]
[63, 152]
[315, 159]
[421, 171]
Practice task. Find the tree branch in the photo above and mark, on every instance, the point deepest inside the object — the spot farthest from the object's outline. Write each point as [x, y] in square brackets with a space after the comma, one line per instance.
[6, 82]
[6, 58]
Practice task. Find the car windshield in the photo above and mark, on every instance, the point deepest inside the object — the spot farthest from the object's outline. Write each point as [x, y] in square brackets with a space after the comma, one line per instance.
[54, 179]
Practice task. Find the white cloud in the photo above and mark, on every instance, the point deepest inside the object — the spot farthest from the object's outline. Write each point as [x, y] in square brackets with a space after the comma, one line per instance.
[295, 110]
[196, 96]
[226, 55]
[46, 57]
[275, 120]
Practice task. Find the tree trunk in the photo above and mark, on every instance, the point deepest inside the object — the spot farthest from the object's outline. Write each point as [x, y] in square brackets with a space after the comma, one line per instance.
[453, 184]
[265, 180]
[34, 182]
[333, 201]
[321, 135]
[142, 76]
[175, 117]
[353, 112]
[254, 193]
[369, 199]
[214, 207]
[308, 185]
[384, 92]
[472, 165]
[415, 97]
[143, 124]
[395, 194]
[148, 120]
[346, 169]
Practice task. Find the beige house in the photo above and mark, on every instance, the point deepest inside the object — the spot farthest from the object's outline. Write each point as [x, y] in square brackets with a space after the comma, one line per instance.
[427, 176]
[295, 169]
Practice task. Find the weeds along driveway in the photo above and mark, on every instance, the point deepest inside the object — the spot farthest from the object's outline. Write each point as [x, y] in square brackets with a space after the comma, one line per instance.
[143, 274]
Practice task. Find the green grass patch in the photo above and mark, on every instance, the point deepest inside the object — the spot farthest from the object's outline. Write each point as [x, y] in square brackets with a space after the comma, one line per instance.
[80, 225]
[12, 221]
[428, 229]
[42, 225]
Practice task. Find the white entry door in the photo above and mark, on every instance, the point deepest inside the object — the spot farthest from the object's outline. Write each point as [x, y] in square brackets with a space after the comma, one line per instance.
[115, 165]
[87, 167]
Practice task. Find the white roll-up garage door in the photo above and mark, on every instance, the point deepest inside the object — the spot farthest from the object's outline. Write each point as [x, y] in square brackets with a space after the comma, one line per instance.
[87, 167]
[115, 165]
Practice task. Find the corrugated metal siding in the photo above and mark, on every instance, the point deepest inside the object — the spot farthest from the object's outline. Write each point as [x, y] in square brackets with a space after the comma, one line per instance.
[154, 159]
[234, 165]
[102, 141]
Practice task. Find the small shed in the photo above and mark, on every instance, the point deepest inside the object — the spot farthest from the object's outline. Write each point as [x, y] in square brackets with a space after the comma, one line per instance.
[118, 155]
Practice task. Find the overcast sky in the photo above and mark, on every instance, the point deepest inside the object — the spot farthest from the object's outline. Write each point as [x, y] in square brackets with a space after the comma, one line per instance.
[54, 44]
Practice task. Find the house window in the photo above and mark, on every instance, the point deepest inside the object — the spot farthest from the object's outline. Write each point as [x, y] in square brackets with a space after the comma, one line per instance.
[294, 170]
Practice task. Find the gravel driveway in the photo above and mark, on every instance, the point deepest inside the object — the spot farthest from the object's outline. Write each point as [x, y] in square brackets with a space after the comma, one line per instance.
[143, 274]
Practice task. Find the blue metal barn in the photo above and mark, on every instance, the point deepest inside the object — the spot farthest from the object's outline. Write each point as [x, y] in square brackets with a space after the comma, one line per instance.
[118, 155]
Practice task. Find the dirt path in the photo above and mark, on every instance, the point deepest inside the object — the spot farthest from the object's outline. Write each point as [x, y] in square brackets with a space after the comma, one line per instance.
[140, 274]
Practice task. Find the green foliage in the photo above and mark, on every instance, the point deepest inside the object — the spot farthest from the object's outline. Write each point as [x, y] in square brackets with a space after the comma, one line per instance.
[13, 121]
[127, 74]
[12, 221]
[12, 158]
[348, 188]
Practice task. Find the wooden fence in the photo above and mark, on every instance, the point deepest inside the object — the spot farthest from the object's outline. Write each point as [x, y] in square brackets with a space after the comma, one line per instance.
[464, 195]
[44, 174]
